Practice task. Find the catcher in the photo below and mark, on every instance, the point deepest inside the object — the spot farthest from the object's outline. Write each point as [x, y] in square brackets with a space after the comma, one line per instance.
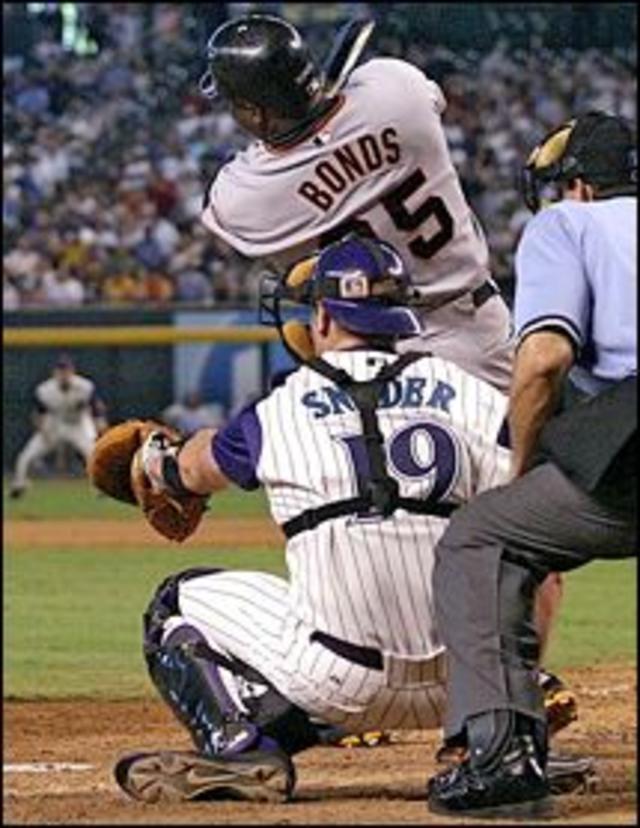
[363, 455]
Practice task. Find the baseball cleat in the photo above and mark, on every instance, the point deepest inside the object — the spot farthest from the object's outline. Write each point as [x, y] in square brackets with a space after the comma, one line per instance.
[370, 738]
[255, 776]
[17, 492]
[560, 703]
[336, 736]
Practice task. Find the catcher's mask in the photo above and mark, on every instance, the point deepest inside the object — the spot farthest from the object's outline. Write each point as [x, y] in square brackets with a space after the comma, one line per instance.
[362, 283]
[597, 147]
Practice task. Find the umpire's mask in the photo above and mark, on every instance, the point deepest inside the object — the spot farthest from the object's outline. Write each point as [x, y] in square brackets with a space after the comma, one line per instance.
[596, 147]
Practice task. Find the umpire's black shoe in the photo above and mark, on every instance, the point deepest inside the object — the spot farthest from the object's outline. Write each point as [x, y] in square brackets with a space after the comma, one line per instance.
[515, 786]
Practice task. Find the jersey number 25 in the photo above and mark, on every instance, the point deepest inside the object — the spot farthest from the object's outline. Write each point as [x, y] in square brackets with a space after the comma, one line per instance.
[405, 220]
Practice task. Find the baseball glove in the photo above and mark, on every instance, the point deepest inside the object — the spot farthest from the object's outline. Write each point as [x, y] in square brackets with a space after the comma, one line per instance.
[116, 468]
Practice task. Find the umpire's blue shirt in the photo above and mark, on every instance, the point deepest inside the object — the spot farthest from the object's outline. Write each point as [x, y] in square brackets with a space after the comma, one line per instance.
[576, 271]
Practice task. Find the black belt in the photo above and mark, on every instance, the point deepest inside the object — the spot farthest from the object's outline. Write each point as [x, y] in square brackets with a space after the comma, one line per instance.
[360, 506]
[365, 656]
[479, 296]
[483, 292]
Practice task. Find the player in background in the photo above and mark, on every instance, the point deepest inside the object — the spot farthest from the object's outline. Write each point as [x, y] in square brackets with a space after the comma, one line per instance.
[363, 455]
[67, 410]
[370, 156]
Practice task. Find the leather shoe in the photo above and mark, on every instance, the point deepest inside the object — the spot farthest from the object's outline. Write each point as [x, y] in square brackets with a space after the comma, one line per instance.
[513, 785]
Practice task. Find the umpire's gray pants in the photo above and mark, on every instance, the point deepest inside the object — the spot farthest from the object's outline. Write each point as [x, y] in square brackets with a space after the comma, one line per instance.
[491, 558]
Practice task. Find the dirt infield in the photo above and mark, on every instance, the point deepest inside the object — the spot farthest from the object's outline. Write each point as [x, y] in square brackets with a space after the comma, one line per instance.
[363, 786]
[218, 533]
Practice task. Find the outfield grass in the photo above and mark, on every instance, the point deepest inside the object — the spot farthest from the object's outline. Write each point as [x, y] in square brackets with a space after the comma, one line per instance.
[598, 617]
[72, 617]
[68, 499]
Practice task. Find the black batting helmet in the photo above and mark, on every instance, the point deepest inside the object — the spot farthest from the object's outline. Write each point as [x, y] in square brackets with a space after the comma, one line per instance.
[264, 60]
[596, 147]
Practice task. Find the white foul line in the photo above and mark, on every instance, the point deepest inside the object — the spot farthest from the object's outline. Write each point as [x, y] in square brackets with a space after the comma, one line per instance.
[45, 767]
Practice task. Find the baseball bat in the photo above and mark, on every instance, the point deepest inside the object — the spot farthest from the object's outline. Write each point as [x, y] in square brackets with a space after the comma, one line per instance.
[348, 46]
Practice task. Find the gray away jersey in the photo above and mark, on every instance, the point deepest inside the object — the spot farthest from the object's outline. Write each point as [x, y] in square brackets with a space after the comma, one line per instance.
[368, 580]
[382, 160]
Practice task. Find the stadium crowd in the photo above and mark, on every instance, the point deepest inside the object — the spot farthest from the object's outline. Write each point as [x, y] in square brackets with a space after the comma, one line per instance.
[107, 156]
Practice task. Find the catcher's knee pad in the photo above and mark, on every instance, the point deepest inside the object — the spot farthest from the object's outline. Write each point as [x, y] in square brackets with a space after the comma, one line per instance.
[227, 706]
[164, 604]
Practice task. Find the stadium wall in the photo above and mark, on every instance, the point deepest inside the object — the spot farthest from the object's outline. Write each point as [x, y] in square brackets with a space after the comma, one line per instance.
[153, 359]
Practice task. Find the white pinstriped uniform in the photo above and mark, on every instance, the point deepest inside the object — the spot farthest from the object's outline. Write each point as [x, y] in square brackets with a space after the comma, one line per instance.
[66, 418]
[366, 581]
[381, 158]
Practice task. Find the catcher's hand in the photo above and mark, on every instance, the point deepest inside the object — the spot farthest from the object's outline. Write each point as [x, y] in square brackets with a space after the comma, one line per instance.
[126, 464]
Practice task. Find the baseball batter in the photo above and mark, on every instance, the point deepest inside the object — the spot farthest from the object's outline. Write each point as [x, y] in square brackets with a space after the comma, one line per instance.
[67, 410]
[372, 157]
[246, 659]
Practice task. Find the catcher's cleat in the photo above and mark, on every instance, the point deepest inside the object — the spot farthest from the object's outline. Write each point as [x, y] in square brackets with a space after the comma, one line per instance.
[371, 738]
[336, 736]
[256, 776]
[560, 703]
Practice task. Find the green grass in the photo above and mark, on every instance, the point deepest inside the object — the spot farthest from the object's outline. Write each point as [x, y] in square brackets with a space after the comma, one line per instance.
[598, 617]
[69, 499]
[72, 617]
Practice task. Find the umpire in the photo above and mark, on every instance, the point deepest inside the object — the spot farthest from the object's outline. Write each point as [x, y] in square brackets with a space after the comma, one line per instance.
[573, 422]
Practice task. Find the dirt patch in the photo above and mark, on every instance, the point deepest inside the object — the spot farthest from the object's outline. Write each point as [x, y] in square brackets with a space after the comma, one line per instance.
[217, 533]
[365, 786]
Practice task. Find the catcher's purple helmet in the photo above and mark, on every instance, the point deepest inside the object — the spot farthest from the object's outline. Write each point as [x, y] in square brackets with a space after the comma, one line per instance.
[365, 287]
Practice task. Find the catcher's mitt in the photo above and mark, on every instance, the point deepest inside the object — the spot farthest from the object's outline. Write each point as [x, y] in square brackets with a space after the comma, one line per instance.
[115, 467]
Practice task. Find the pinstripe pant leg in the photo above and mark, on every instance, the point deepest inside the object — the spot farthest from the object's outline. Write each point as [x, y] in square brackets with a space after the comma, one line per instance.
[495, 552]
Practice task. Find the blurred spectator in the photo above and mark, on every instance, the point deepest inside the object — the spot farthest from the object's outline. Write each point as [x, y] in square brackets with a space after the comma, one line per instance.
[193, 286]
[108, 155]
[62, 288]
[10, 294]
[156, 287]
[23, 258]
[191, 413]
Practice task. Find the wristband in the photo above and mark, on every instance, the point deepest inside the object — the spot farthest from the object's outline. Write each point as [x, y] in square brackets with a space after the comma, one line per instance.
[171, 476]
